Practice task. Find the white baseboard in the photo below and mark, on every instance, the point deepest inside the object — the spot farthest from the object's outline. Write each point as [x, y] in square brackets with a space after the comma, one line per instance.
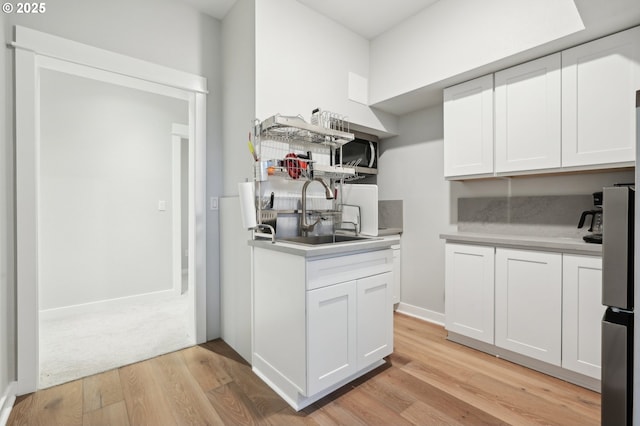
[421, 313]
[49, 314]
[6, 402]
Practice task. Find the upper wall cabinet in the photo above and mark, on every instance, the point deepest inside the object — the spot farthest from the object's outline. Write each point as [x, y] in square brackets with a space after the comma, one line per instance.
[527, 116]
[573, 110]
[468, 128]
[599, 81]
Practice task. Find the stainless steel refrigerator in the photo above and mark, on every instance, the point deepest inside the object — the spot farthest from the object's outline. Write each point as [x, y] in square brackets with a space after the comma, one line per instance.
[618, 296]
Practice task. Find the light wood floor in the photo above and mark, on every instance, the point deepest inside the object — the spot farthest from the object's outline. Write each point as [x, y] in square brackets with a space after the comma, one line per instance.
[427, 381]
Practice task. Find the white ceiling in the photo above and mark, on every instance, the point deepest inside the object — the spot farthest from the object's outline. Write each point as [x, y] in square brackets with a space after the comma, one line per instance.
[216, 8]
[365, 17]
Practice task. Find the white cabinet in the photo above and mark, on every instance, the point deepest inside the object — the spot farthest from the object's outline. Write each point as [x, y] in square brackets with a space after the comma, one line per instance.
[573, 110]
[545, 306]
[374, 324]
[599, 82]
[319, 322]
[527, 116]
[469, 287]
[528, 303]
[397, 274]
[331, 327]
[350, 326]
[468, 128]
[582, 313]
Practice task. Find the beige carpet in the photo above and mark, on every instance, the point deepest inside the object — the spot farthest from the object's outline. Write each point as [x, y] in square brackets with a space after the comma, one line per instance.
[86, 344]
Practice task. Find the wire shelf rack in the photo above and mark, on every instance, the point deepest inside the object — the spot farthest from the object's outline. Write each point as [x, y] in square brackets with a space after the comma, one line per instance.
[294, 129]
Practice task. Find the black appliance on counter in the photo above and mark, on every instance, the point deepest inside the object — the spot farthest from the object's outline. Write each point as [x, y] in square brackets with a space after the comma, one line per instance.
[596, 220]
[618, 295]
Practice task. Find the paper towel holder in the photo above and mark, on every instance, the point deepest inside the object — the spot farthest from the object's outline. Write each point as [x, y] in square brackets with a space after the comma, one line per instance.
[246, 193]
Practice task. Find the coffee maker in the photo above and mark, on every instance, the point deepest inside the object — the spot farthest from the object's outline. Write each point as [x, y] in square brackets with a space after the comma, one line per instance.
[596, 220]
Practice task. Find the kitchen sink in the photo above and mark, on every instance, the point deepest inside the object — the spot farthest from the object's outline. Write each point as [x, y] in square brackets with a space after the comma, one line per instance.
[314, 240]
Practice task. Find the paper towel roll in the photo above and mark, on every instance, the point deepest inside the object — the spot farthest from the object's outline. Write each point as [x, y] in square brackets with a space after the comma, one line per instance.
[246, 192]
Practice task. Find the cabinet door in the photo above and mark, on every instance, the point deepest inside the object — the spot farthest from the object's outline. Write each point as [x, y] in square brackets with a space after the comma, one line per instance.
[599, 81]
[331, 339]
[468, 128]
[529, 303]
[582, 313]
[375, 319]
[527, 116]
[469, 283]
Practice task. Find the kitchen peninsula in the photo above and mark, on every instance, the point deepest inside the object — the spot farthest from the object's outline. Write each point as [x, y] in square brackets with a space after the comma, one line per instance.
[322, 315]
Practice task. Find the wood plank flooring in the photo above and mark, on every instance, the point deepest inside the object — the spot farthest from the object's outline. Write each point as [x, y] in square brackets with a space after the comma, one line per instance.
[426, 381]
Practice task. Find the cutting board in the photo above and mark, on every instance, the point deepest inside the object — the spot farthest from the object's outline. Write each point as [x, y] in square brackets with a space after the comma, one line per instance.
[365, 196]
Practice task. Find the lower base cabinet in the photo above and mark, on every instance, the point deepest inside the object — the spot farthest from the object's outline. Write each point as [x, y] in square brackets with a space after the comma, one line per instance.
[529, 303]
[331, 326]
[469, 291]
[397, 273]
[349, 328]
[374, 319]
[543, 305]
[322, 323]
[582, 313]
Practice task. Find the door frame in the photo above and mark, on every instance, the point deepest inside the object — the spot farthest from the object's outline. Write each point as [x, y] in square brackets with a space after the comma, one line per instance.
[35, 51]
[179, 136]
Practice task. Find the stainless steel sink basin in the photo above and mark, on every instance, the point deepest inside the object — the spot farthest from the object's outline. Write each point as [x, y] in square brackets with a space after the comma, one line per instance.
[314, 240]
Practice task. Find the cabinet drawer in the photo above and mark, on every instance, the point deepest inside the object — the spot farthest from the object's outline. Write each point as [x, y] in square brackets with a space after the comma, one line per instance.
[333, 270]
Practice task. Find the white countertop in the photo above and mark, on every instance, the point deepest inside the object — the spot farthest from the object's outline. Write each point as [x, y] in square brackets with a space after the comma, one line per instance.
[389, 231]
[350, 247]
[564, 245]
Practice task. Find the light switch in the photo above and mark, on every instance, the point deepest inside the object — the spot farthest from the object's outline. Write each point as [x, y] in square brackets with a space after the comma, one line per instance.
[162, 205]
[213, 203]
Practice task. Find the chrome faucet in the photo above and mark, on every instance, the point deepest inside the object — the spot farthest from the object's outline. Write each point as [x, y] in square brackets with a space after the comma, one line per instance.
[304, 227]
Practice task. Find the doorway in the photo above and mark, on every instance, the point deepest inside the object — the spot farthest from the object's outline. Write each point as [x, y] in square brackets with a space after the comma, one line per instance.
[106, 207]
[103, 203]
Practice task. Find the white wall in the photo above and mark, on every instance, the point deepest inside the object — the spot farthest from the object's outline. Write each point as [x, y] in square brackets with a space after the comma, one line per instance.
[411, 169]
[7, 287]
[238, 49]
[239, 93]
[454, 36]
[105, 164]
[165, 32]
[303, 60]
